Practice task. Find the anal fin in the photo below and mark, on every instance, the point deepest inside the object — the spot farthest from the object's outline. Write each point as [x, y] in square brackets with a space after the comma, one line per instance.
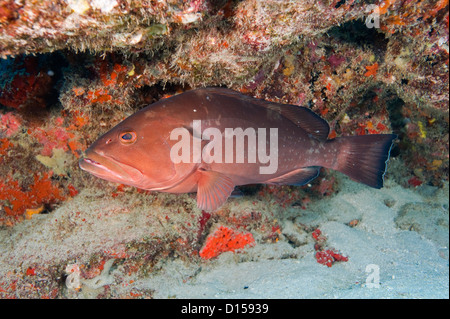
[296, 177]
[213, 189]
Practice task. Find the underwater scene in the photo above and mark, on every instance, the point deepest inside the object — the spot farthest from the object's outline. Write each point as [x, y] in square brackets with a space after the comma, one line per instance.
[224, 149]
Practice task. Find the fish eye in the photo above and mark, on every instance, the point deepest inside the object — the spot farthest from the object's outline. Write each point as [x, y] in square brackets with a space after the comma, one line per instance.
[128, 137]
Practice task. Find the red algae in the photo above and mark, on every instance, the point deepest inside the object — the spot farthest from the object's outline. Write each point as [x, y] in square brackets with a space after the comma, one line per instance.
[26, 85]
[17, 200]
[9, 124]
[5, 144]
[371, 70]
[225, 239]
[324, 256]
[329, 257]
[57, 136]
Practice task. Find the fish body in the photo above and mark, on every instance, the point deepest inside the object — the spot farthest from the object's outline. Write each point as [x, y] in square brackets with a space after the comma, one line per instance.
[212, 139]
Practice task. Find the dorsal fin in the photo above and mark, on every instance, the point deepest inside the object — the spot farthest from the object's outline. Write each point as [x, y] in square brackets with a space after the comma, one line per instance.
[299, 115]
[306, 119]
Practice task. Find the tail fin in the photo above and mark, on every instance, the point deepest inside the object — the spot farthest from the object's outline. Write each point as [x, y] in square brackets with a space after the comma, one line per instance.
[364, 158]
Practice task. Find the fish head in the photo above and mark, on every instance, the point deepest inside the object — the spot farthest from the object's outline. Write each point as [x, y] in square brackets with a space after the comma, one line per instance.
[134, 153]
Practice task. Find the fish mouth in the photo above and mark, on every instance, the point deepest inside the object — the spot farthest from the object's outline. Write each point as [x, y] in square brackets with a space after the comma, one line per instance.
[107, 168]
[90, 161]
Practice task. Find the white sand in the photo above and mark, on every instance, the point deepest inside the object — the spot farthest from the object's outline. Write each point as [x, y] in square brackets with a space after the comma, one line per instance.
[403, 233]
[410, 264]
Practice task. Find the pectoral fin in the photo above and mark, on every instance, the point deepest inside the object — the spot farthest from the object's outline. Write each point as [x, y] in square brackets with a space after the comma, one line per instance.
[213, 189]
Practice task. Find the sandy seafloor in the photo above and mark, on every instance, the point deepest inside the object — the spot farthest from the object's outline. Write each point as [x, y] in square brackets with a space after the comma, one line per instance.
[411, 264]
[402, 232]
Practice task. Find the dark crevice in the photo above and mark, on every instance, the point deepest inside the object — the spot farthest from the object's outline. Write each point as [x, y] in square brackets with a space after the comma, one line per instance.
[397, 119]
[358, 34]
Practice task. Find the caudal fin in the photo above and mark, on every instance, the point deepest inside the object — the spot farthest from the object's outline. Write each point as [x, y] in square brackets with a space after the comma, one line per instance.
[364, 158]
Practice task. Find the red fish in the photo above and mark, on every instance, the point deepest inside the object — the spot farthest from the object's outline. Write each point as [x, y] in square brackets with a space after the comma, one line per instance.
[212, 139]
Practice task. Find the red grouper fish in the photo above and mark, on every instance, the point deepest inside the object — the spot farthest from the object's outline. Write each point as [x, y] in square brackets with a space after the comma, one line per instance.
[210, 140]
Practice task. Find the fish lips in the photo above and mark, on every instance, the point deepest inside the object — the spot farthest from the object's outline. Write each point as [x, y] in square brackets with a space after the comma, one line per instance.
[107, 168]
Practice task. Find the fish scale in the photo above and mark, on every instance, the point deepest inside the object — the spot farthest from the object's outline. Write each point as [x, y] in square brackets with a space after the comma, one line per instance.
[216, 130]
